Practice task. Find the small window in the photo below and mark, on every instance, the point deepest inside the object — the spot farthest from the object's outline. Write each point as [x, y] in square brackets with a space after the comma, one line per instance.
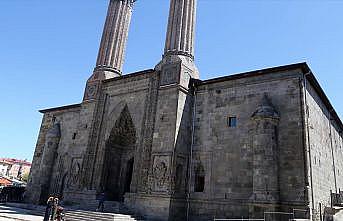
[74, 136]
[232, 121]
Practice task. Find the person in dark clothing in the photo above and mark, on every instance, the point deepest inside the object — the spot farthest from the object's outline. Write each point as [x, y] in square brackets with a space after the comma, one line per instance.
[48, 208]
[102, 198]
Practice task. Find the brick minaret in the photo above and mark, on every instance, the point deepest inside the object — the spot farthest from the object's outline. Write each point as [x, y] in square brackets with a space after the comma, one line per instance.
[112, 47]
[109, 65]
[181, 26]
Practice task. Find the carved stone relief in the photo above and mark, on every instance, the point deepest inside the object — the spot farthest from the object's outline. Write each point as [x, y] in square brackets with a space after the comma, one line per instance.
[170, 75]
[75, 172]
[161, 173]
[91, 90]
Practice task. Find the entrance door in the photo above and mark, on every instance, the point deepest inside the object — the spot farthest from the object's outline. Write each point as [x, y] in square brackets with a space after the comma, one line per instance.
[120, 146]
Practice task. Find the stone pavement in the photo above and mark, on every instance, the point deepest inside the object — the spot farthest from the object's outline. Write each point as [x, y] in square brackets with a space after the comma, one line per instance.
[13, 213]
[338, 216]
[27, 212]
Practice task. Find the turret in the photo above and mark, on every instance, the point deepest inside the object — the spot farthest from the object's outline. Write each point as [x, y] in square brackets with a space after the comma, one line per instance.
[52, 139]
[265, 152]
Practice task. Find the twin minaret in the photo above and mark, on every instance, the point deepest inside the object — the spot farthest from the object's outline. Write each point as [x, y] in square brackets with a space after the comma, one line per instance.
[113, 43]
[179, 41]
[181, 26]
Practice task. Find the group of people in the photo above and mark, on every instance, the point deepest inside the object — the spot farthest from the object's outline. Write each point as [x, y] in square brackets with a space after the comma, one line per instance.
[53, 210]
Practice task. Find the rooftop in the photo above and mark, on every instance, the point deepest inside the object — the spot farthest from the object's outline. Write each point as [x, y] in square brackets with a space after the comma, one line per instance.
[14, 161]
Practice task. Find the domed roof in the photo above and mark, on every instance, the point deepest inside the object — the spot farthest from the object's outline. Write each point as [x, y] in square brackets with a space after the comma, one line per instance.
[54, 131]
[266, 109]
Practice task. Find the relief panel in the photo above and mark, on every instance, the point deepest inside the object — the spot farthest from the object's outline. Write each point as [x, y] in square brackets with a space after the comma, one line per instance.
[161, 173]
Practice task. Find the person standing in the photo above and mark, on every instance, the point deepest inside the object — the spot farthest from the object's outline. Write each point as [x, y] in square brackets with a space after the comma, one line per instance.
[54, 208]
[102, 198]
[49, 205]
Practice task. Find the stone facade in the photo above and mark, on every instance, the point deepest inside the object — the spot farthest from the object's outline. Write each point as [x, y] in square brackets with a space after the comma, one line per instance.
[172, 147]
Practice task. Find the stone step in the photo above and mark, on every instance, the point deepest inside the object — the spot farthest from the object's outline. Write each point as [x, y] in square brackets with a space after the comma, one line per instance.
[112, 211]
[92, 205]
[80, 215]
[89, 213]
[300, 220]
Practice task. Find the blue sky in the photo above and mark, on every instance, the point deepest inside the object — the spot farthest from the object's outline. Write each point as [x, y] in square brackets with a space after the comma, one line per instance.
[48, 50]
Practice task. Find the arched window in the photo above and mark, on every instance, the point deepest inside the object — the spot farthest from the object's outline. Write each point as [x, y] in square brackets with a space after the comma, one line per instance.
[199, 184]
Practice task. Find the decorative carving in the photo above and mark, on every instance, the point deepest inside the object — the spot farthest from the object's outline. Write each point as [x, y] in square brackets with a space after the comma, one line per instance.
[91, 90]
[75, 172]
[170, 75]
[160, 174]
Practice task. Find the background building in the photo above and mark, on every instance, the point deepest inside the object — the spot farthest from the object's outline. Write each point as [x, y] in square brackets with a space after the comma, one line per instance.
[14, 168]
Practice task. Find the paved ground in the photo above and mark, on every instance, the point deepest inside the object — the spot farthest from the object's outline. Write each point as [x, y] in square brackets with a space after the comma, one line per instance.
[338, 216]
[12, 213]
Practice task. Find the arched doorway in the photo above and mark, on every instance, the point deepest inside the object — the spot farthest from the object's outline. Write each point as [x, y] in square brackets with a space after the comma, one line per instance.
[118, 162]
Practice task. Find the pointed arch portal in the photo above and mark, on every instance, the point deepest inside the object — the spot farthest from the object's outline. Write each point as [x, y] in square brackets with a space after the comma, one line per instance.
[119, 157]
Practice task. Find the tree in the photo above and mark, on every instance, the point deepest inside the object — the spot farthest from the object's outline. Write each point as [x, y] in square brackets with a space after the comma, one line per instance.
[25, 177]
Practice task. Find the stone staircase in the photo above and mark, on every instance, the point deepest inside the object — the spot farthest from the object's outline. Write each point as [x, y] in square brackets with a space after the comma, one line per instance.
[83, 215]
[113, 211]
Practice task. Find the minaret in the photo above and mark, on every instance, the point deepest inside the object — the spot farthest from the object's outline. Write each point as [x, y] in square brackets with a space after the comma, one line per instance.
[172, 136]
[112, 47]
[179, 45]
[181, 26]
[109, 65]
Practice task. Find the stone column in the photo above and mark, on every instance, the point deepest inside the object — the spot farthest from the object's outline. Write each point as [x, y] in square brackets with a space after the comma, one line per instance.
[114, 37]
[265, 148]
[181, 28]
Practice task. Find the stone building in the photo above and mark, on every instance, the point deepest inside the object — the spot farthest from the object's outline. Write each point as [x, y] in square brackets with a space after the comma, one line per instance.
[173, 147]
[14, 168]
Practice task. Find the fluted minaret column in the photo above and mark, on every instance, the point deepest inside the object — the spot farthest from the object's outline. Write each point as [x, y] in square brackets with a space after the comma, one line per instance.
[113, 43]
[112, 47]
[181, 28]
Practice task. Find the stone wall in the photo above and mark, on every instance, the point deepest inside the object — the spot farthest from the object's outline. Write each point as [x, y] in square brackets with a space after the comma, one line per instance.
[226, 153]
[68, 149]
[325, 143]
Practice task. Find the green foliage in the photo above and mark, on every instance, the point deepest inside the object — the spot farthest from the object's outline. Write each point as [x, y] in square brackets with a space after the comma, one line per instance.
[25, 177]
